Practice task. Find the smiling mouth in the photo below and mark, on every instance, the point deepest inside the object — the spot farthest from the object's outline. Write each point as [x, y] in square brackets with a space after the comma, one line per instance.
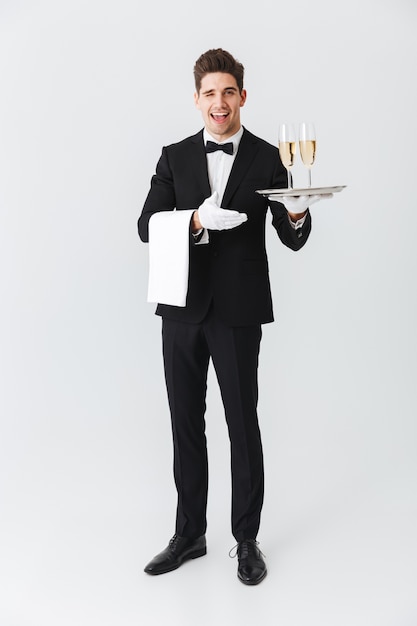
[219, 117]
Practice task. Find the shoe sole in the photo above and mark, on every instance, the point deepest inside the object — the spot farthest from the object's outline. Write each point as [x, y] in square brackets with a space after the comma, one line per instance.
[187, 557]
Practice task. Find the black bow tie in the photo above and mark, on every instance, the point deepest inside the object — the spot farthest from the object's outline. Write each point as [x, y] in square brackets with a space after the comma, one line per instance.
[226, 147]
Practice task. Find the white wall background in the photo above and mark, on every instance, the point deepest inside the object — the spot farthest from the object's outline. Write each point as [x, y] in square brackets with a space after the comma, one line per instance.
[89, 93]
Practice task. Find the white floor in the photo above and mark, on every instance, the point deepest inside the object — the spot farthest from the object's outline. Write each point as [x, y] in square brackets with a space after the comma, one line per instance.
[352, 566]
[79, 523]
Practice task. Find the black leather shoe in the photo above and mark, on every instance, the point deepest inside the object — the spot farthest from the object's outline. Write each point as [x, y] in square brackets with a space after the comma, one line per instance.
[251, 569]
[179, 549]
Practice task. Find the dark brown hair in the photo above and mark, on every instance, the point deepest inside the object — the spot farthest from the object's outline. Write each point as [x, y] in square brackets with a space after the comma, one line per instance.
[217, 60]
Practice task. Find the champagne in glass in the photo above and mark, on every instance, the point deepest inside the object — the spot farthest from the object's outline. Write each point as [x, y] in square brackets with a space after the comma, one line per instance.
[308, 146]
[286, 146]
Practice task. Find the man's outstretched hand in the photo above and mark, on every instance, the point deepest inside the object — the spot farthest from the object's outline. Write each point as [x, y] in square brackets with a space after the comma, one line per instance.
[210, 215]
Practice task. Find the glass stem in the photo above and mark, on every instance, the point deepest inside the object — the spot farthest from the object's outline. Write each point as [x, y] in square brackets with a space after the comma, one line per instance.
[309, 176]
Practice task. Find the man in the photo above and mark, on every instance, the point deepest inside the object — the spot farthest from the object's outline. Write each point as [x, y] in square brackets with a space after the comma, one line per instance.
[228, 299]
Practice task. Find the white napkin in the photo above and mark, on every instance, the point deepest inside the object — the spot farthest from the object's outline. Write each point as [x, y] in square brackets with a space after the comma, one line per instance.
[169, 233]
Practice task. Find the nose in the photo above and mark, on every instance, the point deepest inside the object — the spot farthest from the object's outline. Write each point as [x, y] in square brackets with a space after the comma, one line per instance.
[219, 100]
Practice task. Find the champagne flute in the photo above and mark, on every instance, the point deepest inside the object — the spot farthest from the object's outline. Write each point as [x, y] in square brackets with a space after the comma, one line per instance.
[286, 147]
[308, 146]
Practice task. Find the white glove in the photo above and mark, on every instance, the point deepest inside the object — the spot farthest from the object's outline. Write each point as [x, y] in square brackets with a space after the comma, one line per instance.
[299, 204]
[212, 216]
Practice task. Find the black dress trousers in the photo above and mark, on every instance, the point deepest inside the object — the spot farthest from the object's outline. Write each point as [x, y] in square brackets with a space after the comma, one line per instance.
[187, 349]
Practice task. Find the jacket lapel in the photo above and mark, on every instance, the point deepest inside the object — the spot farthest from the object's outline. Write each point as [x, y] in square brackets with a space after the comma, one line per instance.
[200, 164]
[247, 152]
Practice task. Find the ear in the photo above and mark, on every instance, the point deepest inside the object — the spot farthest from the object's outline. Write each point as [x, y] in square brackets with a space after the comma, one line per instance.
[196, 100]
[243, 97]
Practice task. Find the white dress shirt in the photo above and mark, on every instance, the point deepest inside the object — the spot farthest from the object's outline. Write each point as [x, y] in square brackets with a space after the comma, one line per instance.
[219, 163]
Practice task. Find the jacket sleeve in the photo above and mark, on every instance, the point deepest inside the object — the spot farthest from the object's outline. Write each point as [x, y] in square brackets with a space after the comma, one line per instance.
[293, 239]
[161, 196]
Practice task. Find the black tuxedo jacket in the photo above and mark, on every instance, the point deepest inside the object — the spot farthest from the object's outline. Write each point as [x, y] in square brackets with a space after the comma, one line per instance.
[232, 269]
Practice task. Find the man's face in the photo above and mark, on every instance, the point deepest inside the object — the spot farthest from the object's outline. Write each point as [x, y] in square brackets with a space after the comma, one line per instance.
[219, 101]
